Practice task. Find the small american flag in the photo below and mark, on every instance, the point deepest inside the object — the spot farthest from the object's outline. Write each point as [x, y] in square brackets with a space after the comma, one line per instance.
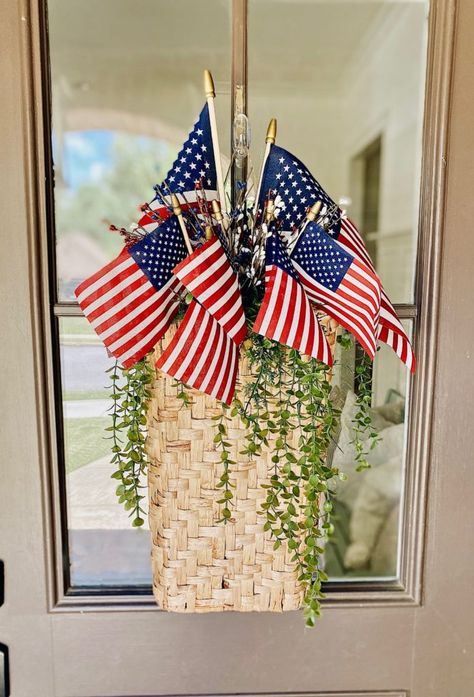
[294, 185]
[208, 275]
[286, 314]
[340, 284]
[202, 355]
[192, 177]
[296, 189]
[132, 300]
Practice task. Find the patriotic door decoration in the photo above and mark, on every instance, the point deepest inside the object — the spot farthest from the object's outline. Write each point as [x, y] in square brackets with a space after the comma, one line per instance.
[281, 259]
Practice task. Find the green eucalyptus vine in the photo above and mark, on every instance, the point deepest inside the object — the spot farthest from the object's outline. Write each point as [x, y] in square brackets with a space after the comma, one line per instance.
[130, 394]
[292, 394]
[365, 437]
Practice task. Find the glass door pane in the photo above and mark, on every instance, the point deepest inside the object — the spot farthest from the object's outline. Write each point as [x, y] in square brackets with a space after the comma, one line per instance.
[340, 76]
[346, 82]
[369, 502]
[126, 88]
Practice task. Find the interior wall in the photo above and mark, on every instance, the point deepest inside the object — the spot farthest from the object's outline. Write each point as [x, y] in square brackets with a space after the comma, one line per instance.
[384, 89]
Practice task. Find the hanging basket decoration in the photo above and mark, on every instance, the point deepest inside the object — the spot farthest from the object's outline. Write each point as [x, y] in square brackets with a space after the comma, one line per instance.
[223, 314]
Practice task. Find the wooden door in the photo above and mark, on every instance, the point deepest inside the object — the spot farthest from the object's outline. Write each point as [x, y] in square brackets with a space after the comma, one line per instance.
[409, 634]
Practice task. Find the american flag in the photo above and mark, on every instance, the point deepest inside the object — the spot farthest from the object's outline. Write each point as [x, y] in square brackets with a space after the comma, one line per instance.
[340, 284]
[208, 275]
[296, 189]
[294, 185]
[286, 315]
[202, 355]
[132, 300]
[192, 177]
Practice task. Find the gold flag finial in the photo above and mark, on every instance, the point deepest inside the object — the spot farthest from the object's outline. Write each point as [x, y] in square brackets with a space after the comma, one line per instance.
[209, 232]
[312, 214]
[216, 209]
[175, 204]
[271, 131]
[209, 90]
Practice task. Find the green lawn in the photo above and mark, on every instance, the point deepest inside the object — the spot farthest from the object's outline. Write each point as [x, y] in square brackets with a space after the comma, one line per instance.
[87, 394]
[85, 441]
[76, 325]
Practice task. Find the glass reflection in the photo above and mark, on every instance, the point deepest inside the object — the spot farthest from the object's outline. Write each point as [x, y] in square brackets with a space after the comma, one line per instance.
[346, 82]
[126, 87]
[367, 510]
[103, 547]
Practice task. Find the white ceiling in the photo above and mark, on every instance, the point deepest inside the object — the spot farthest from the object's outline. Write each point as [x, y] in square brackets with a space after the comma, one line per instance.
[290, 41]
[144, 58]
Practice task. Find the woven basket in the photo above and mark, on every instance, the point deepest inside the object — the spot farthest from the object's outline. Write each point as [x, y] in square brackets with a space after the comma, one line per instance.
[200, 565]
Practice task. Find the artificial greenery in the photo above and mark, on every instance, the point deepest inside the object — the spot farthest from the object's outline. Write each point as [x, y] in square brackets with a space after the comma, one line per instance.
[130, 394]
[365, 437]
[292, 394]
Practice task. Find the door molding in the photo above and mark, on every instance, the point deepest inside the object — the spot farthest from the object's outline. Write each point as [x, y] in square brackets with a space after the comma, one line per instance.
[39, 210]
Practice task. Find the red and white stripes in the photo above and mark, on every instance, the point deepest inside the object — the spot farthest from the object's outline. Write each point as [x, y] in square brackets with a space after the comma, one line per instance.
[126, 311]
[208, 275]
[286, 316]
[355, 304]
[390, 331]
[202, 355]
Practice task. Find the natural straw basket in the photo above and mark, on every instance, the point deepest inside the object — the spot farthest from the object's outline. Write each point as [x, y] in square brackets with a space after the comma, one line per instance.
[200, 565]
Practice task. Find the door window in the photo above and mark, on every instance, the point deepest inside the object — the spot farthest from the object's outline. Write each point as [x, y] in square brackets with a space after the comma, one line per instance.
[346, 82]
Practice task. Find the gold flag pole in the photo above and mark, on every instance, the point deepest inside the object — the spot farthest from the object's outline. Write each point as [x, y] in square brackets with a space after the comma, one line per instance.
[311, 215]
[270, 138]
[210, 95]
[178, 213]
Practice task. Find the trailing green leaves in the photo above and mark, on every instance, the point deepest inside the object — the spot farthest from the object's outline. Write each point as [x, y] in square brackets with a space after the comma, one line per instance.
[224, 483]
[365, 436]
[289, 395]
[130, 393]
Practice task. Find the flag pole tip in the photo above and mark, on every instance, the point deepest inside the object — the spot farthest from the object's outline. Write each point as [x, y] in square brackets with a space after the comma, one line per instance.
[271, 131]
[209, 84]
[312, 214]
[175, 204]
[216, 209]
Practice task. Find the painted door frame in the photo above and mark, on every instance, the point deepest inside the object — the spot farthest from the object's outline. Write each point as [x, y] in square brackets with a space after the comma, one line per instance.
[413, 640]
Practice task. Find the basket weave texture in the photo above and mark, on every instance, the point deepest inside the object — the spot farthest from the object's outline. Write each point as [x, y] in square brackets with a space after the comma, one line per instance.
[200, 565]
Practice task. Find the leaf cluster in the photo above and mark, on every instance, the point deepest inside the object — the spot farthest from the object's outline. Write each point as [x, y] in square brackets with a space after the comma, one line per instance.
[130, 394]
